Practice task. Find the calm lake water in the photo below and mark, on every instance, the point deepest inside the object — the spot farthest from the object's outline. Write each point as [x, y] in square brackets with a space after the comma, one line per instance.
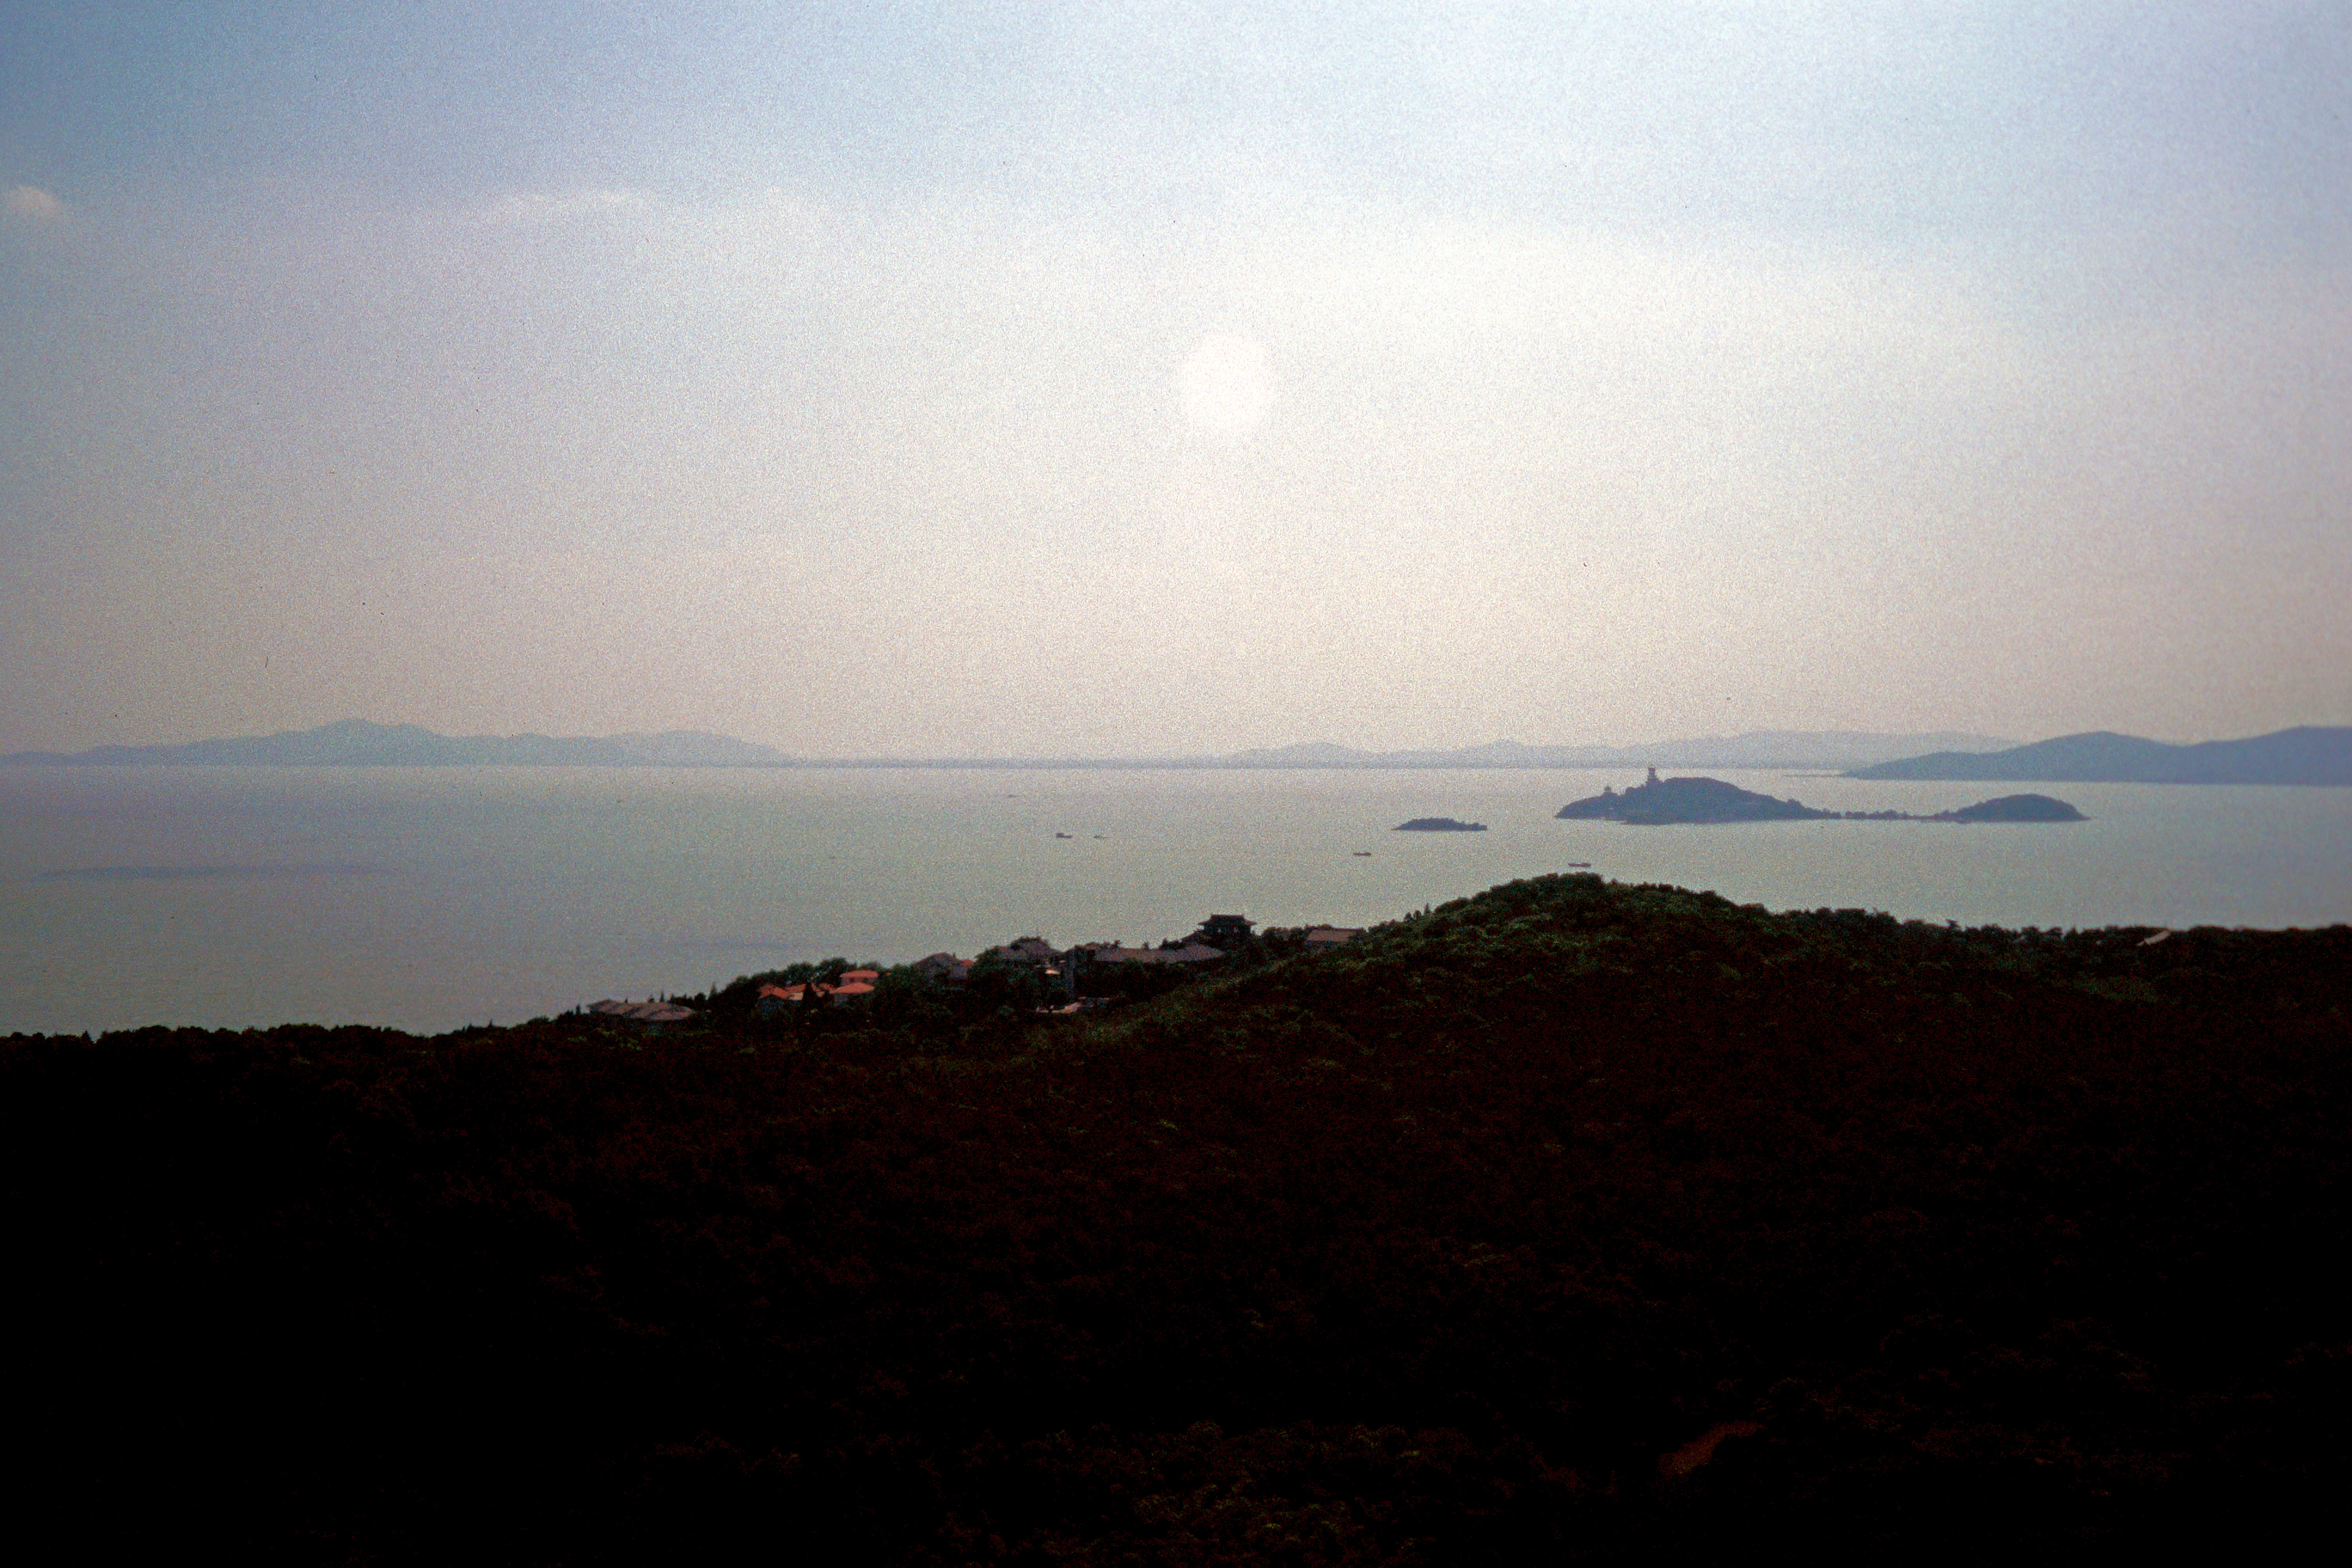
[424, 898]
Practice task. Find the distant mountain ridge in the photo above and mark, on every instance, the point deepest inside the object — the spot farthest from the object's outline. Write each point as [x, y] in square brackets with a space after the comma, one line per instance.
[355, 743]
[1753, 749]
[2305, 755]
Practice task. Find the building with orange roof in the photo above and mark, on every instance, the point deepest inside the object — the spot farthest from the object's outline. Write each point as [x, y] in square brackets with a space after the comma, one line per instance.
[771, 997]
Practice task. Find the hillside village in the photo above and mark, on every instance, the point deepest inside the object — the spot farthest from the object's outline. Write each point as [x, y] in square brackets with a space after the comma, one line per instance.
[1056, 981]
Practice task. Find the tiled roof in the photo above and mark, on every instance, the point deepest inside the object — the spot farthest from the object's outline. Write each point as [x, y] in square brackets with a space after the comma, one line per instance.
[847, 988]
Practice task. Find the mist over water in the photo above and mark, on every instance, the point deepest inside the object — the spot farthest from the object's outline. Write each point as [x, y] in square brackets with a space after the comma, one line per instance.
[424, 898]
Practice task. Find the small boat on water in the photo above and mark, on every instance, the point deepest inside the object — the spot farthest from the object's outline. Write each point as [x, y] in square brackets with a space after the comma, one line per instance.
[1579, 865]
[1361, 854]
[1061, 835]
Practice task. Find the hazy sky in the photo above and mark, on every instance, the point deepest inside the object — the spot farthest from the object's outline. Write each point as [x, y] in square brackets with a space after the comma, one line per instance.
[1117, 379]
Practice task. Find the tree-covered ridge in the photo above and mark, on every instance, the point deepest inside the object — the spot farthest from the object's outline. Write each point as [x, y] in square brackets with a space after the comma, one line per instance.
[1425, 1249]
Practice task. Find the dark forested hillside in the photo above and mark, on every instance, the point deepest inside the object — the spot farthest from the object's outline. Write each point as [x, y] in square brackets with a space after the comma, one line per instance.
[1571, 1222]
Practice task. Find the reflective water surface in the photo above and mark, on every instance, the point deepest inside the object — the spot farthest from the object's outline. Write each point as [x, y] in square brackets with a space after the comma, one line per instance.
[429, 898]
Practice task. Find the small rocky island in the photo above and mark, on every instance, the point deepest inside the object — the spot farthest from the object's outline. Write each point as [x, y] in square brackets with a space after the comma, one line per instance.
[2011, 808]
[1658, 802]
[1439, 824]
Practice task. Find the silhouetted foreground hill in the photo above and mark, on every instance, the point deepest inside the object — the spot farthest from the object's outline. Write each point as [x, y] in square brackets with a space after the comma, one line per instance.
[2302, 756]
[1428, 1250]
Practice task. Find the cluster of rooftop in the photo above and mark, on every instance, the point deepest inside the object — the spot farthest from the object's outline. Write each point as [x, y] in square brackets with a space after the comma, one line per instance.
[1073, 970]
[855, 985]
[1079, 975]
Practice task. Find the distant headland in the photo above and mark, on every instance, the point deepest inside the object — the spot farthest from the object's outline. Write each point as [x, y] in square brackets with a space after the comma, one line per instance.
[355, 743]
[2306, 756]
[1657, 801]
[1439, 824]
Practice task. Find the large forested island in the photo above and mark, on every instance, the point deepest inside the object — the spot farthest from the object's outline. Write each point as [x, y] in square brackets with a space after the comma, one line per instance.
[1658, 802]
[1571, 1223]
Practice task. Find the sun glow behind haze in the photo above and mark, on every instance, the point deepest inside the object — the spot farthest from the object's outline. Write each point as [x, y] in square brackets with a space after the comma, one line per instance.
[1226, 385]
[848, 378]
